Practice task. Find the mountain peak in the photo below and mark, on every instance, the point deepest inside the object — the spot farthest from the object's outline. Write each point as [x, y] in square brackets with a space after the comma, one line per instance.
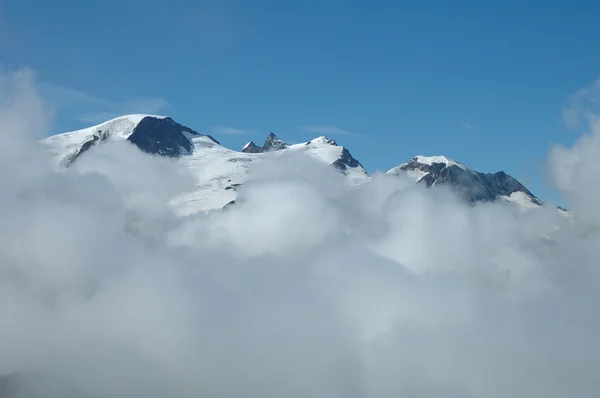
[440, 159]
[272, 143]
[322, 140]
[163, 136]
[159, 135]
[251, 147]
[473, 185]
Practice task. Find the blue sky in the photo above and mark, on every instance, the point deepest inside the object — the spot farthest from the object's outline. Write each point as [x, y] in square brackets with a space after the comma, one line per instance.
[481, 82]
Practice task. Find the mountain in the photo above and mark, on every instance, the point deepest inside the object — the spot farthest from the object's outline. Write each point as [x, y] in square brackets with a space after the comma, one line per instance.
[152, 134]
[472, 185]
[342, 159]
[272, 143]
[219, 171]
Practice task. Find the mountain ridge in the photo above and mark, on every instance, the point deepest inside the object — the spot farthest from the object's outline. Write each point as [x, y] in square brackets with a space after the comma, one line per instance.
[162, 136]
[473, 185]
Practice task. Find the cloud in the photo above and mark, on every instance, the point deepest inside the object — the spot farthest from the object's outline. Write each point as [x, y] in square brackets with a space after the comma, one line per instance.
[466, 125]
[305, 287]
[224, 130]
[583, 105]
[329, 130]
[90, 109]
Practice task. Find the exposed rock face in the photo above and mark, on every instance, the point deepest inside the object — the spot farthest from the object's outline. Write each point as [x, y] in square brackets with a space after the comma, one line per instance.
[155, 135]
[472, 185]
[251, 147]
[163, 137]
[272, 143]
[346, 160]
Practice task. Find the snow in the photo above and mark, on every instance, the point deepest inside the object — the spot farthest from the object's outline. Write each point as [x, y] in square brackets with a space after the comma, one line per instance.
[414, 174]
[213, 166]
[322, 140]
[417, 174]
[521, 199]
[430, 160]
[216, 167]
[326, 153]
[66, 144]
[247, 145]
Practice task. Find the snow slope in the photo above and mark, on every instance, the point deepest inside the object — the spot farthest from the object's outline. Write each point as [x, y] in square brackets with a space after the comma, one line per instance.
[217, 169]
[61, 146]
[431, 160]
[473, 185]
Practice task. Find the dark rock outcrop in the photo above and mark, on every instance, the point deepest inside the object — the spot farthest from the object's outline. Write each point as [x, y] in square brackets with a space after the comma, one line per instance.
[159, 136]
[346, 160]
[272, 143]
[163, 137]
[251, 147]
[472, 185]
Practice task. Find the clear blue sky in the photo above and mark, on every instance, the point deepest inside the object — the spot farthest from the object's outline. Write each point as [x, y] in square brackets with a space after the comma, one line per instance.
[482, 82]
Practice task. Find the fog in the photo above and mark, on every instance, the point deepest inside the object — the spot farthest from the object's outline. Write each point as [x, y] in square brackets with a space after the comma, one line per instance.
[306, 287]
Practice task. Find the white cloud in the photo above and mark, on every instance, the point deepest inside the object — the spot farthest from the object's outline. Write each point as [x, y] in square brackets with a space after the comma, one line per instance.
[225, 130]
[328, 130]
[304, 288]
[583, 105]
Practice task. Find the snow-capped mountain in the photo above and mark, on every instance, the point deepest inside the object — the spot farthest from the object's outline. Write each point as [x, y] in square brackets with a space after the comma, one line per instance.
[336, 155]
[217, 169]
[152, 134]
[473, 185]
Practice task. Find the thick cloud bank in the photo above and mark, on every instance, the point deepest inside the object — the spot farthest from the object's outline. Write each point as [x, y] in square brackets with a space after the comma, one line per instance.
[304, 288]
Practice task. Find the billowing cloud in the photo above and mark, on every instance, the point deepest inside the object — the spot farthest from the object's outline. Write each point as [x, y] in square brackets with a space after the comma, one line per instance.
[304, 288]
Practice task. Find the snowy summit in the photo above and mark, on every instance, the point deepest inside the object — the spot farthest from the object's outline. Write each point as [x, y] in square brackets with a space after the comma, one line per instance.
[219, 171]
[472, 185]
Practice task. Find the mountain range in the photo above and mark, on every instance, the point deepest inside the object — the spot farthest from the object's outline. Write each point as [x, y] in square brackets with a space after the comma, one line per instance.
[219, 170]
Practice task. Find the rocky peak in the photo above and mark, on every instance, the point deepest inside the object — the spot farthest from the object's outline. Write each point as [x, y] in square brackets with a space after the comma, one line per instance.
[152, 134]
[272, 143]
[322, 140]
[163, 136]
[473, 185]
[251, 147]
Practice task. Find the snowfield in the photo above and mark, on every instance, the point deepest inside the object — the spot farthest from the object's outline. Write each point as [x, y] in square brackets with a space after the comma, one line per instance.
[219, 171]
